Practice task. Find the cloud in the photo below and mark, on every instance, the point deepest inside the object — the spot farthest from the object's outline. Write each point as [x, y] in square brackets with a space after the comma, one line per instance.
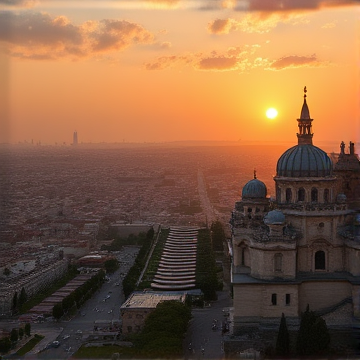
[295, 61]
[254, 23]
[234, 58]
[18, 3]
[117, 35]
[39, 36]
[164, 62]
[218, 63]
[329, 25]
[220, 26]
[242, 59]
[290, 5]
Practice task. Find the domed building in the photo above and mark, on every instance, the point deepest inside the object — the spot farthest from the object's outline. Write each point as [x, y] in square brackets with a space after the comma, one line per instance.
[303, 247]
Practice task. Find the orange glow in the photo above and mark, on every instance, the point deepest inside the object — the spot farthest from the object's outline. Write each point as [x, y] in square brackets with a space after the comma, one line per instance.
[118, 74]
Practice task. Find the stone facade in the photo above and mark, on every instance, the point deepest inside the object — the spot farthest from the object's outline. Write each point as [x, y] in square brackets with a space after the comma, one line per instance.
[302, 248]
[32, 282]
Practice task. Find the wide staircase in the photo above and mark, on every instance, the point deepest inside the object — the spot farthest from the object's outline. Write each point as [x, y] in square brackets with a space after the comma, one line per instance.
[177, 266]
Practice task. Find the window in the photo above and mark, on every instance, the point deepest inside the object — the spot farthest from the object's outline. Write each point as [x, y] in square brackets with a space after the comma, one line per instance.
[278, 262]
[326, 195]
[288, 195]
[273, 299]
[287, 299]
[314, 195]
[320, 260]
[243, 256]
[301, 194]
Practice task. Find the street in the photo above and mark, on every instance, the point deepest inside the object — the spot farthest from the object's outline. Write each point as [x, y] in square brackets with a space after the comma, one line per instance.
[104, 305]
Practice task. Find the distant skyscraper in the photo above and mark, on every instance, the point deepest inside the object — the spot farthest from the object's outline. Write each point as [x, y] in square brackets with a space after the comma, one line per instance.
[75, 138]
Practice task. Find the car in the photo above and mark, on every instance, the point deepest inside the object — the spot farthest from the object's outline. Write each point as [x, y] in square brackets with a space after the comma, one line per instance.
[66, 337]
[78, 331]
[56, 344]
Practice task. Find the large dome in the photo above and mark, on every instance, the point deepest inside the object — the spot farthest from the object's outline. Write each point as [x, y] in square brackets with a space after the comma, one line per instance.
[304, 160]
[254, 189]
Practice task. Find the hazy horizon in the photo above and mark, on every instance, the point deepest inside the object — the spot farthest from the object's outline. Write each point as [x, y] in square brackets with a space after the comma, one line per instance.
[178, 70]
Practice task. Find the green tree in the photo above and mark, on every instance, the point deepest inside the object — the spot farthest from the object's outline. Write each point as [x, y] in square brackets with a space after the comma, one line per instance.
[15, 301]
[217, 236]
[111, 265]
[14, 335]
[21, 333]
[68, 302]
[283, 339]
[150, 233]
[22, 297]
[6, 271]
[164, 330]
[313, 337]
[27, 329]
[58, 311]
[5, 345]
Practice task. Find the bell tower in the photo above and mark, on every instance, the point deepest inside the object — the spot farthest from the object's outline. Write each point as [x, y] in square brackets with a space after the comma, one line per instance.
[305, 134]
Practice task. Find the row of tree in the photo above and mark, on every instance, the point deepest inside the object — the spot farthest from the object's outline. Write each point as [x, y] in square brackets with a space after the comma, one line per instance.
[131, 278]
[132, 239]
[206, 271]
[78, 297]
[19, 300]
[313, 337]
[218, 237]
[15, 334]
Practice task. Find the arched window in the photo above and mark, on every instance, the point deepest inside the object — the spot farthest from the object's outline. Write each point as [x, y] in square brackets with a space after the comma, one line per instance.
[314, 195]
[301, 194]
[320, 260]
[278, 262]
[243, 256]
[326, 195]
[288, 195]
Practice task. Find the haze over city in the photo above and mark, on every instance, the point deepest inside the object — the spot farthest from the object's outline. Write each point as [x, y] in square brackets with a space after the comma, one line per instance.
[174, 70]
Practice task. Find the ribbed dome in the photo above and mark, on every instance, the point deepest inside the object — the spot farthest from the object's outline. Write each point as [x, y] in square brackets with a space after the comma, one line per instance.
[274, 217]
[304, 160]
[254, 189]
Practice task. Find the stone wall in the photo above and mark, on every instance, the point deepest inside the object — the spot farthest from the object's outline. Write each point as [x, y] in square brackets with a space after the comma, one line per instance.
[256, 300]
[322, 294]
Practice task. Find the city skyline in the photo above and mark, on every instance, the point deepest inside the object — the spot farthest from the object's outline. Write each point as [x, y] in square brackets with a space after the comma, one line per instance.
[178, 70]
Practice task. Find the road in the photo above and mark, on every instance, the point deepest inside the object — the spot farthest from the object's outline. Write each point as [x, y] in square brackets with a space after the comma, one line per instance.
[104, 305]
[206, 342]
[207, 208]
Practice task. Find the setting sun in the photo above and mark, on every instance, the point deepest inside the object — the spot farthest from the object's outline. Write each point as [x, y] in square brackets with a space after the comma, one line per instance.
[271, 113]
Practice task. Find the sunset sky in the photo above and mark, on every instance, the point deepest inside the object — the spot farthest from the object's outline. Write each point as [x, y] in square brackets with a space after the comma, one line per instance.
[171, 70]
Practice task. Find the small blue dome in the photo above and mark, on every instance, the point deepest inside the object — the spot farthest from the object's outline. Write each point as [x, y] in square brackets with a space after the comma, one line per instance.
[274, 217]
[254, 189]
[305, 160]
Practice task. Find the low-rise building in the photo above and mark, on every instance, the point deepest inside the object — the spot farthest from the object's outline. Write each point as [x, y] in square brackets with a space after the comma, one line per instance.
[139, 305]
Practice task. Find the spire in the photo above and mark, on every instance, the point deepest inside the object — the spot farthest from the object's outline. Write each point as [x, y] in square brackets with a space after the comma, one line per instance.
[254, 173]
[305, 114]
[304, 123]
